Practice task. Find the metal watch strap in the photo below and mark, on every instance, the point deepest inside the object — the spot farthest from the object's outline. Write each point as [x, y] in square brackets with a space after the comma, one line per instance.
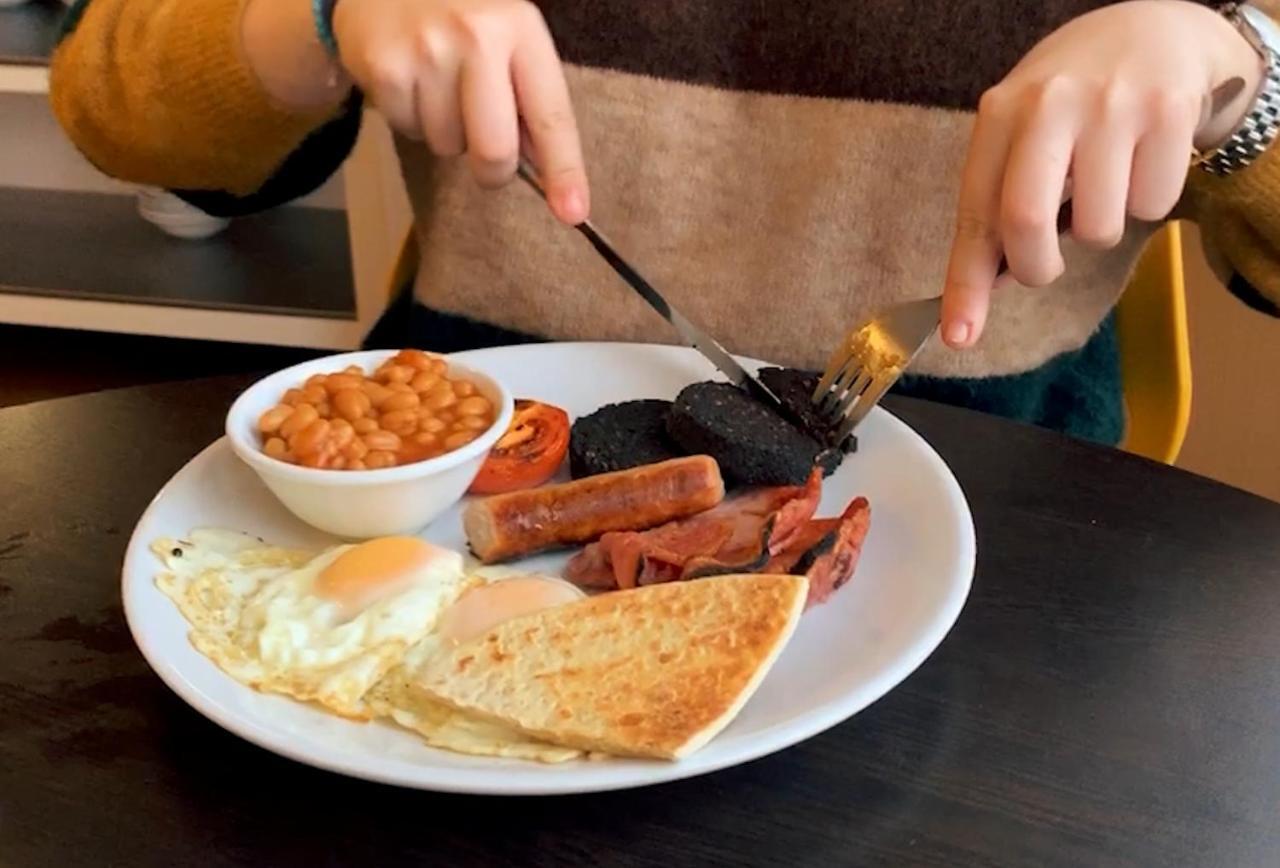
[1261, 123]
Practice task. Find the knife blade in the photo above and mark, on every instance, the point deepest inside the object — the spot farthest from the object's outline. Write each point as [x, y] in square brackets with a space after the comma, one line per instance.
[690, 334]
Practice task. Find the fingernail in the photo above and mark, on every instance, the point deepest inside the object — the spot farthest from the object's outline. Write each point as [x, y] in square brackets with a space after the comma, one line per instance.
[957, 333]
[572, 206]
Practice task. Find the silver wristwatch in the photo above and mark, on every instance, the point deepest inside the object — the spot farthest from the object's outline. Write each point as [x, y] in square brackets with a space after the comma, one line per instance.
[1261, 123]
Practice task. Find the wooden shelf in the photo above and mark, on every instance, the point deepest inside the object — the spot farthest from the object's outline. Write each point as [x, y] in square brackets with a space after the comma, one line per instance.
[293, 261]
[29, 32]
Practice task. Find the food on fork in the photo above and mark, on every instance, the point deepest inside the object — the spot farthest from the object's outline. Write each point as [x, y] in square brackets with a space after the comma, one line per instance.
[410, 409]
[529, 453]
[752, 444]
[651, 672]
[518, 523]
[621, 436]
[795, 389]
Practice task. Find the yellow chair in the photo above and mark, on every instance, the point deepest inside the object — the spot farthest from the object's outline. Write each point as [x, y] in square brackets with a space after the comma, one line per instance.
[1151, 326]
[1155, 354]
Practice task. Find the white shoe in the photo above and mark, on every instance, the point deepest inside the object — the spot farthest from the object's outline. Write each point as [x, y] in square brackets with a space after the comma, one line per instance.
[174, 216]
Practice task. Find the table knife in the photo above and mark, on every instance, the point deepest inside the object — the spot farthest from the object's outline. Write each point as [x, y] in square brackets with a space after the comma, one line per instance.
[692, 336]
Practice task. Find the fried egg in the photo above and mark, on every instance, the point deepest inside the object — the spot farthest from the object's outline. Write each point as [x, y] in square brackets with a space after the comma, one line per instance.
[322, 627]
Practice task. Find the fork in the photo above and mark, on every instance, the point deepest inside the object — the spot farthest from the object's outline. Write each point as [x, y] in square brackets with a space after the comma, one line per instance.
[875, 354]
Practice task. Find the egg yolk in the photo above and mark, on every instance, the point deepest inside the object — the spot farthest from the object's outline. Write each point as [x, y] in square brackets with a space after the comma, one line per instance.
[481, 609]
[372, 570]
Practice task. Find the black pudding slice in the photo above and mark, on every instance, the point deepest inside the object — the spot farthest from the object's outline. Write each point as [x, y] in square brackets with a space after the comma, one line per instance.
[794, 389]
[619, 437]
[752, 444]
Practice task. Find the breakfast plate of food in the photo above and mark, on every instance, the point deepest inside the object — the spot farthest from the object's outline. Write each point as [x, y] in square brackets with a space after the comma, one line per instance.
[541, 569]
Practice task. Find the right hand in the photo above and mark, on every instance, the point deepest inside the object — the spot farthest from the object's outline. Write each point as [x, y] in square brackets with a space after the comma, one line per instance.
[470, 76]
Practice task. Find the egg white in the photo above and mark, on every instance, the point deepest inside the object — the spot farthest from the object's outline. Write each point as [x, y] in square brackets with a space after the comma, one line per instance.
[255, 613]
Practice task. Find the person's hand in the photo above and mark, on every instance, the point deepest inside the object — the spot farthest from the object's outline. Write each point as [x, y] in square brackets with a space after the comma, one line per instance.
[470, 76]
[1110, 104]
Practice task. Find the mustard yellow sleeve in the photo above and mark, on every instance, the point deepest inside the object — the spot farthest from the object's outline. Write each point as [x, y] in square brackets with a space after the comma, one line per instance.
[1239, 219]
[157, 92]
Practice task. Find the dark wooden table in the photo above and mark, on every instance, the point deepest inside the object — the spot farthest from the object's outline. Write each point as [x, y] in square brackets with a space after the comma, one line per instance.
[1110, 695]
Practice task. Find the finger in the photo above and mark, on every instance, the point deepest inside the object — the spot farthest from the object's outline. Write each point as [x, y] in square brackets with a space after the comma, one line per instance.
[1039, 160]
[543, 99]
[389, 84]
[438, 104]
[1161, 156]
[489, 118]
[1100, 174]
[975, 248]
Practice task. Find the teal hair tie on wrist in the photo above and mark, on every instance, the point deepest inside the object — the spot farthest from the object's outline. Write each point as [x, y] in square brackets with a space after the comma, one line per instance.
[322, 12]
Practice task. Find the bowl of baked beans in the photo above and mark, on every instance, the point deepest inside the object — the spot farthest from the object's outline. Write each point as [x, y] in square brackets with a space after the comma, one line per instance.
[369, 444]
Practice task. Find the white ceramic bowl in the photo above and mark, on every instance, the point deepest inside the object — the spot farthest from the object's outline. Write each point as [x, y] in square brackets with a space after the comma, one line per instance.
[361, 504]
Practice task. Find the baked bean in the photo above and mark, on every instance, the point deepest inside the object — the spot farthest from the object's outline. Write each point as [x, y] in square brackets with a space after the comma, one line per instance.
[425, 438]
[431, 424]
[439, 366]
[464, 388]
[355, 449]
[302, 416]
[397, 374]
[309, 440]
[424, 380]
[337, 382]
[382, 441]
[337, 462]
[416, 359]
[402, 422]
[292, 398]
[270, 421]
[316, 380]
[275, 447]
[365, 425]
[403, 388]
[380, 459]
[351, 404]
[325, 409]
[356, 464]
[475, 405]
[446, 416]
[459, 438]
[434, 400]
[341, 433]
[354, 369]
[378, 395]
[315, 460]
[472, 423]
[314, 394]
[401, 401]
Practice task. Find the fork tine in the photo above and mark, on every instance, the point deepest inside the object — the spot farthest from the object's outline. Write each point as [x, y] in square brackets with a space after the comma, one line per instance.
[840, 378]
[837, 398]
[859, 386]
[836, 362]
[870, 399]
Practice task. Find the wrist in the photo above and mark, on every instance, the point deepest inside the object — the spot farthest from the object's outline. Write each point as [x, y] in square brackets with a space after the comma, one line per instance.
[1237, 68]
[282, 45]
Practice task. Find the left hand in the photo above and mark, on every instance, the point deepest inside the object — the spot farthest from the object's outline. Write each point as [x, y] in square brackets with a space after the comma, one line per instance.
[1111, 103]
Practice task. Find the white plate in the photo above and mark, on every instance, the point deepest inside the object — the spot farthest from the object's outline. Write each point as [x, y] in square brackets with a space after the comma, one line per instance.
[909, 588]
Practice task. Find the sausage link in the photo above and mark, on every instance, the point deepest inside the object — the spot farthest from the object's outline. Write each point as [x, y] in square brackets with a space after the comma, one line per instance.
[522, 522]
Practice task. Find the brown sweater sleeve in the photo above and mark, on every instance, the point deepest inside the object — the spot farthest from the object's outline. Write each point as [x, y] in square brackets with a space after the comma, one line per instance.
[157, 92]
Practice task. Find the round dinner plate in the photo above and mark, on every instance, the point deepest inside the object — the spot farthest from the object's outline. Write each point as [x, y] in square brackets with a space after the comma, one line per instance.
[910, 584]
